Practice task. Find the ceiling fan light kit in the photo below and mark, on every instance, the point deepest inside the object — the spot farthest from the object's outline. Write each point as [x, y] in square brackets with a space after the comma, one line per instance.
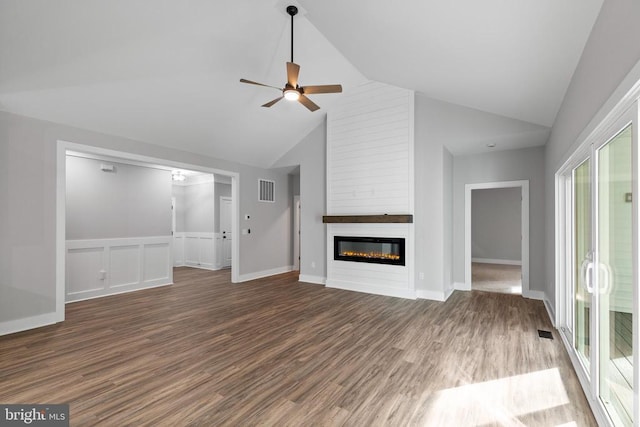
[292, 91]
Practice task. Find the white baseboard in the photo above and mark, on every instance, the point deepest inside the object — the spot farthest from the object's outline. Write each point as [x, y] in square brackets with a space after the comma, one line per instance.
[539, 295]
[214, 268]
[318, 280]
[460, 286]
[125, 290]
[448, 292]
[19, 325]
[369, 289]
[550, 311]
[264, 273]
[440, 296]
[496, 261]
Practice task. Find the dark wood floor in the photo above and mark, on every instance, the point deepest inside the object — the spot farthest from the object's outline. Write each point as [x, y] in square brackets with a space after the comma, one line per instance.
[277, 352]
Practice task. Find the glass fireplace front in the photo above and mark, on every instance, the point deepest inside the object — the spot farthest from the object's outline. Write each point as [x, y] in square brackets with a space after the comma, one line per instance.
[379, 250]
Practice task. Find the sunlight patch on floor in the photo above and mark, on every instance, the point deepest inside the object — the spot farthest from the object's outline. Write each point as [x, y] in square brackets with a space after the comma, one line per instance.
[501, 400]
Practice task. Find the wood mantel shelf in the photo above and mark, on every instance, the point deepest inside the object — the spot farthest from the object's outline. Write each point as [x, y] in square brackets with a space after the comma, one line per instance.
[370, 219]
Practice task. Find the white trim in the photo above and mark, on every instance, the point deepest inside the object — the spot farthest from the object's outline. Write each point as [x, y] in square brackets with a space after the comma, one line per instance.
[219, 235]
[524, 223]
[318, 280]
[537, 295]
[370, 289]
[24, 324]
[106, 248]
[496, 261]
[149, 285]
[459, 286]
[61, 230]
[265, 273]
[439, 296]
[601, 129]
[64, 146]
[296, 232]
[601, 416]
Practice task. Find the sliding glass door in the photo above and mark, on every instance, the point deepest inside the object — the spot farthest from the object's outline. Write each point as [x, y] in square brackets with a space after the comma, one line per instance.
[615, 274]
[600, 279]
[582, 260]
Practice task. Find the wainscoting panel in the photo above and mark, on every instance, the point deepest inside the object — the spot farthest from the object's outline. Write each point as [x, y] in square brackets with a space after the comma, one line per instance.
[178, 250]
[157, 261]
[101, 267]
[124, 265]
[83, 269]
[199, 250]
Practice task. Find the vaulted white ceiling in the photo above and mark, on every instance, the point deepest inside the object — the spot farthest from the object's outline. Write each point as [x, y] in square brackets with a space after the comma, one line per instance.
[167, 71]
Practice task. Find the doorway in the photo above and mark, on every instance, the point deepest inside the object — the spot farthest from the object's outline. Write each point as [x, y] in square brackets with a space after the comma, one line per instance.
[226, 208]
[63, 147]
[505, 273]
[296, 233]
[496, 258]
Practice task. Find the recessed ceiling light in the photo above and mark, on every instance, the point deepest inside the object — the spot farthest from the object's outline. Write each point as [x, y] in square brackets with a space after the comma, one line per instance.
[491, 145]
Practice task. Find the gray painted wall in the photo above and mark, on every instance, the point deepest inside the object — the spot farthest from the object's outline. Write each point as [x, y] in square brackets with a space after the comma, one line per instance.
[447, 206]
[199, 209]
[509, 165]
[610, 53]
[130, 201]
[429, 200]
[28, 213]
[496, 216]
[310, 155]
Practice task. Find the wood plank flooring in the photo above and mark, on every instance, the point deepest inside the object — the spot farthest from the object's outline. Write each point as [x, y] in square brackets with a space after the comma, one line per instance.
[277, 352]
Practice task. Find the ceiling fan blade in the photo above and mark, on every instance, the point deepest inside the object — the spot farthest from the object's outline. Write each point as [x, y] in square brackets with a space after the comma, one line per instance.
[322, 89]
[256, 83]
[293, 70]
[308, 103]
[270, 103]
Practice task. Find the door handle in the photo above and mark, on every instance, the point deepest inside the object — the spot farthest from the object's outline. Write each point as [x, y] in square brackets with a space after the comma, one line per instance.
[587, 274]
[606, 276]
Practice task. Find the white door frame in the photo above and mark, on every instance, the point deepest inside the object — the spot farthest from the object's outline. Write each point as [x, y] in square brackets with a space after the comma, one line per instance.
[233, 236]
[61, 156]
[524, 224]
[296, 233]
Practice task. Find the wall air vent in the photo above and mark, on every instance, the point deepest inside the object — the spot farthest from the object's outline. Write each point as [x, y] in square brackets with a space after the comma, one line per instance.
[266, 190]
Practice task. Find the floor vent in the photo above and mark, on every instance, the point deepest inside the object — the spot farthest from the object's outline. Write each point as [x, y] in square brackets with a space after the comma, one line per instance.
[545, 334]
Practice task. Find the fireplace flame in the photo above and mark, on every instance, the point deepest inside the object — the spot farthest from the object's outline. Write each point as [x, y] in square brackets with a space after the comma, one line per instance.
[378, 255]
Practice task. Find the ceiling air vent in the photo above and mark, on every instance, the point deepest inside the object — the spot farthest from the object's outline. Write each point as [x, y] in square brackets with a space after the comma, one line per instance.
[266, 190]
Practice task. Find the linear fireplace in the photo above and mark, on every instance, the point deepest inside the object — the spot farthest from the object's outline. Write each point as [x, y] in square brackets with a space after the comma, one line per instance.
[378, 250]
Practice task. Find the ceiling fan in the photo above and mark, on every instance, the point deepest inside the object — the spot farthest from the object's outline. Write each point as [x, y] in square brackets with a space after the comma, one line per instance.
[292, 91]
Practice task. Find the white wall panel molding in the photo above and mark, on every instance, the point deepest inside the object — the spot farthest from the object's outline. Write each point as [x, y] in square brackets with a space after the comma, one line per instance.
[101, 267]
[198, 250]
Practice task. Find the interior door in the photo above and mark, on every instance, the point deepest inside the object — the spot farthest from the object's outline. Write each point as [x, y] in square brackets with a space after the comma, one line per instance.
[225, 230]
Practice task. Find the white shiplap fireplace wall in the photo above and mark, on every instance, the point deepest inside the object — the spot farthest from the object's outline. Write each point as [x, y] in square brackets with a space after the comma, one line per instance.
[370, 172]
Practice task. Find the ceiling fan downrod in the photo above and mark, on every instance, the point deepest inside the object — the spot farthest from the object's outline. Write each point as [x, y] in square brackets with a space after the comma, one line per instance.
[292, 11]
